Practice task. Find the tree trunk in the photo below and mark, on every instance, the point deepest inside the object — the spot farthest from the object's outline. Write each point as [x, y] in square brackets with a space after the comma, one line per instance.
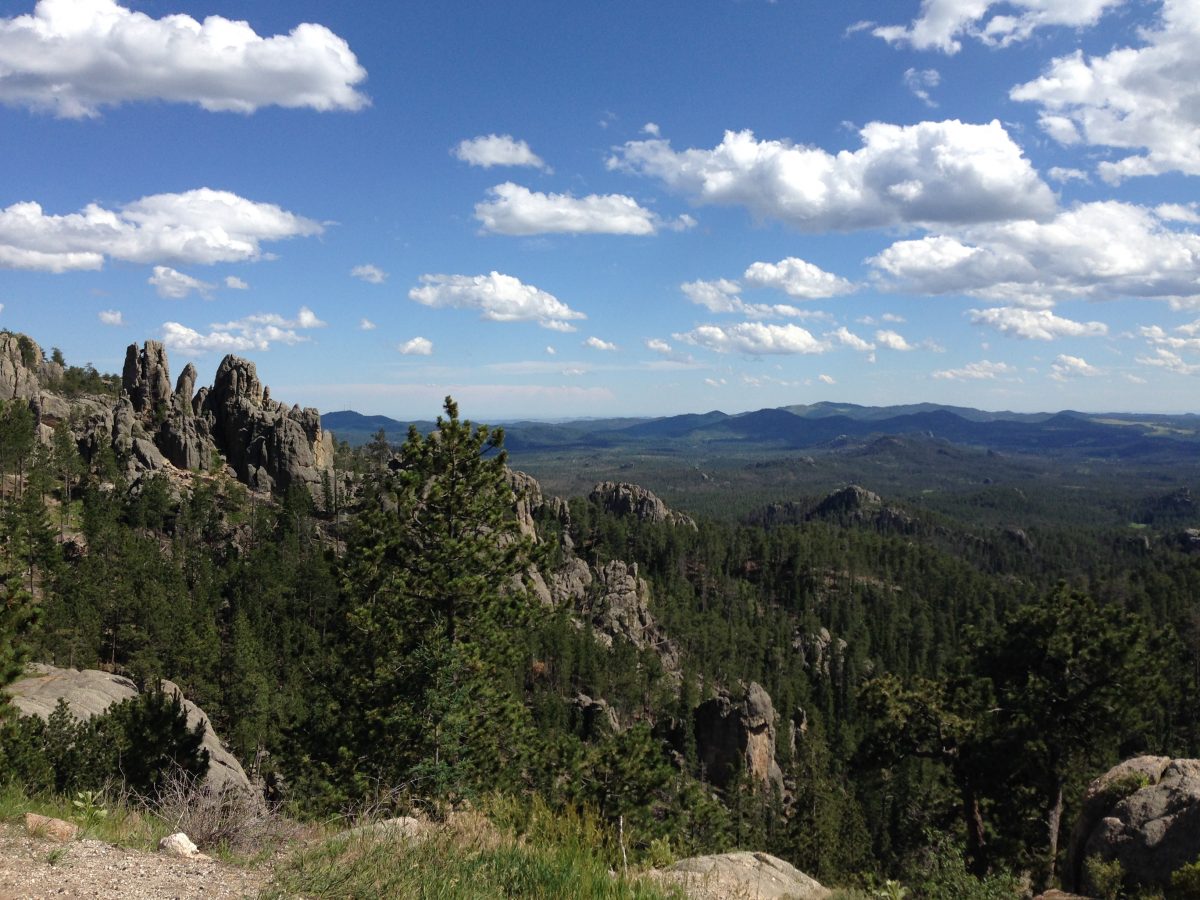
[973, 820]
[1053, 826]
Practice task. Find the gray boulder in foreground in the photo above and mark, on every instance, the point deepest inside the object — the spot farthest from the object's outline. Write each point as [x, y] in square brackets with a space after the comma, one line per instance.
[1144, 813]
[726, 876]
[90, 692]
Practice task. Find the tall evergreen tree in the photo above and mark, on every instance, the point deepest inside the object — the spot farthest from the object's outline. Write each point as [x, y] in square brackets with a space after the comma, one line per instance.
[432, 572]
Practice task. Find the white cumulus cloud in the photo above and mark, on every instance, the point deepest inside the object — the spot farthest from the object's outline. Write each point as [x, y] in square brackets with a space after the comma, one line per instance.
[1171, 361]
[599, 344]
[111, 317]
[847, 338]
[369, 273]
[175, 285]
[417, 346]
[1065, 367]
[826, 379]
[942, 24]
[254, 332]
[498, 150]
[754, 338]
[497, 297]
[1063, 174]
[658, 345]
[1133, 98]
[892, 340]
[1103, 250]
[366, 324]
[931, 172]
[198, 227]
[516, 210]
[797, 278]
[74, 57]
[1158, 337]
[233, 283]
[1034, 324]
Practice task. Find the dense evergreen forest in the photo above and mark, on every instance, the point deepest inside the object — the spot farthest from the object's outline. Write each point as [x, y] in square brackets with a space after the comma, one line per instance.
[945, 687]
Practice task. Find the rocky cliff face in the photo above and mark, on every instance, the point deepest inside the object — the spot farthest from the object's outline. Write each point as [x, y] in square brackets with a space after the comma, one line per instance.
[738, 733]
[22, 368]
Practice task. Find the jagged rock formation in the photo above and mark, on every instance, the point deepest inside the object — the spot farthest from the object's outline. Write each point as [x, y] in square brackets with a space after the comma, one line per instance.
[741, 874]
[89, 693]
[623, 499]
[736, 735]
[1020, 538]
[146, 378]
[596, 717]
[151, 426]
[268, 445]
[1144, 813]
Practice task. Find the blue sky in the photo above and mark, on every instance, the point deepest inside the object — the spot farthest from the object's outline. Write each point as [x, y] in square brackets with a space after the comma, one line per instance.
[557, 209]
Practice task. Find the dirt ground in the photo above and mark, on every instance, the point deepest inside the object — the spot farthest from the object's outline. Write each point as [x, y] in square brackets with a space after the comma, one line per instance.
[32, 868]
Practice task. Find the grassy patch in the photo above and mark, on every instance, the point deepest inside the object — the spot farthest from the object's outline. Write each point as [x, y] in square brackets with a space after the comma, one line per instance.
[452, 862]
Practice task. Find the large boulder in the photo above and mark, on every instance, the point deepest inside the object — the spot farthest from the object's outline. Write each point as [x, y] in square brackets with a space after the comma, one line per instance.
[1143, 813]
[738, 734]
[90, 692]
[743, 874]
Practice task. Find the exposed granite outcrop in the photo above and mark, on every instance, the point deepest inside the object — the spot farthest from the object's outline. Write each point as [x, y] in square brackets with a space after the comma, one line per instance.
[855, 503]
[616, 601]
[624, 499]
[90, 692]
[820, 653]
[146, 378]
[1143, 813]
[21, 368]
[740, 874]
[268, 445]
[733, 735]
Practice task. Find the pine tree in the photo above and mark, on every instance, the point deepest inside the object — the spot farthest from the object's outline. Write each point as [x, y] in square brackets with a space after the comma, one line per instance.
[17, 618]
[433, 572]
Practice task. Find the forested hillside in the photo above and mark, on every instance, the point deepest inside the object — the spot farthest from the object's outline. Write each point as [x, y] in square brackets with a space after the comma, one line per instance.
[868, 687]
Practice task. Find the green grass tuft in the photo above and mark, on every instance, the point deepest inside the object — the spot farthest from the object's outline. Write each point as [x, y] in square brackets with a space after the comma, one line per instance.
[451, 863]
